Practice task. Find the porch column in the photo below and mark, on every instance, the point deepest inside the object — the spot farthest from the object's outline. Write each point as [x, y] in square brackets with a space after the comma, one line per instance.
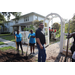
[20, 28]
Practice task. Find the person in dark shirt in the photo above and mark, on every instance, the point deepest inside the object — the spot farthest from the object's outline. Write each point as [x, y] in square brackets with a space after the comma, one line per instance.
[40, 40]
[49, 33]
[73, 46]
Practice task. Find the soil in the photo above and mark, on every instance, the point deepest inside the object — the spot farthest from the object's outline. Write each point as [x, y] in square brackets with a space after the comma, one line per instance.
[12, 56]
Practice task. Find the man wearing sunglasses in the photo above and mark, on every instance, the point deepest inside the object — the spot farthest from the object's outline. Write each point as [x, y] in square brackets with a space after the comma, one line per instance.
[40, 40]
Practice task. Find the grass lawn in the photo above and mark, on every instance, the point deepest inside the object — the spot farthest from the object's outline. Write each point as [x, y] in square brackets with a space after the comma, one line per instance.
[7, 37]
[4, 35]
[6, 48]
[11, 38]
[9, 47]
[1, 43]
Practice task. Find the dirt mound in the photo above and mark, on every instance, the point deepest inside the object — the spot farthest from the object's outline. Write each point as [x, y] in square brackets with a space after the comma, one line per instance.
[12, 56]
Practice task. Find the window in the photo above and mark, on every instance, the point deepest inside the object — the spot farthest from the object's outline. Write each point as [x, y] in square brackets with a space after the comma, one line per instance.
[26, 19]
[7, 23]
[36, 18]
[16, 21]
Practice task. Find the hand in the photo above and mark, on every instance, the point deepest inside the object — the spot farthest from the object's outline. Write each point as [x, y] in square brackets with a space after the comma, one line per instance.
[41, 47]
[33, 36]
[68, 37]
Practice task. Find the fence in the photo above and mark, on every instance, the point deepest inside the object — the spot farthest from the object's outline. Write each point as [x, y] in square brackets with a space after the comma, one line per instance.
[25, 36]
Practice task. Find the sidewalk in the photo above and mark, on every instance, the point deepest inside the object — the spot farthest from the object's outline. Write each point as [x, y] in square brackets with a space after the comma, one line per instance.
[13, 44]
[51, 50]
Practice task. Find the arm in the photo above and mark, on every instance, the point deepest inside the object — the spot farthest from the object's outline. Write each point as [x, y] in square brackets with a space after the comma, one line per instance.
[33, 36]
[28, 36]
[71, 35]
[38, 41]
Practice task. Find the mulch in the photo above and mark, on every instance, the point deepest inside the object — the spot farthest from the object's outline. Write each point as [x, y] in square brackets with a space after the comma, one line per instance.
[12, 56]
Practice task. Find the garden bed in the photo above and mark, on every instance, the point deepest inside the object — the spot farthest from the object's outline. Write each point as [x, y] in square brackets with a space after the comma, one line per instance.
[9, 54]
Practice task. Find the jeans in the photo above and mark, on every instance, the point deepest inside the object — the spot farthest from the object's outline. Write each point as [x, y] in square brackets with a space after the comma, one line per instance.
[41, 54]
[73, 60]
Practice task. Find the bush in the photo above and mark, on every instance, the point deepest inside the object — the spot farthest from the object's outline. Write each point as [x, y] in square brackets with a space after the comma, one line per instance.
[5, 33]
[58, 33]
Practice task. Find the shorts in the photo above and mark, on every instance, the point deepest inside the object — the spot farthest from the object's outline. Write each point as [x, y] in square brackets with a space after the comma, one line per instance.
[31, 44]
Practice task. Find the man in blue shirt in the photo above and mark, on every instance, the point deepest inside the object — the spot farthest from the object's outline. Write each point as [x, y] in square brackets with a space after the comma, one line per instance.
[19, 41]
[31, 37]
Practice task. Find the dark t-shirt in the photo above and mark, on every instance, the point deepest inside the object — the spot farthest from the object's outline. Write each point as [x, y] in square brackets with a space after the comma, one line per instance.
[40, 35]
[74, 39]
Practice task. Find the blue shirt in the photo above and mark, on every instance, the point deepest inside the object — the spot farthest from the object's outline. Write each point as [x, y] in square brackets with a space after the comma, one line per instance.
[32, 40]
[18, 37]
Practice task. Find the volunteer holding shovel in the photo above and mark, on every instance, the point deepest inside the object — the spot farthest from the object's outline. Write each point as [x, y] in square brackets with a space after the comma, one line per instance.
[19, 41]
[31, 37]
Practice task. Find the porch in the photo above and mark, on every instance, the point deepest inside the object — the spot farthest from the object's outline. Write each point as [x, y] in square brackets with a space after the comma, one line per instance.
[21, 26]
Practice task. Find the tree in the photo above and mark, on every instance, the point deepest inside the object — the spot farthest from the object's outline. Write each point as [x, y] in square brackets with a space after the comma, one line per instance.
[2, 19]
[8, 15]
[66, 28]
[56, 26]
[30, 28]
[36, 23]
[72, 25]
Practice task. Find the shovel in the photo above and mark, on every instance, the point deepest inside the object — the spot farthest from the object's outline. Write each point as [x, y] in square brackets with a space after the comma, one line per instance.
[27, 49]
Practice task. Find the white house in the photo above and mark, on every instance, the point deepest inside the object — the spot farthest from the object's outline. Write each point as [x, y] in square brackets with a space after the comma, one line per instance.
[24, 21]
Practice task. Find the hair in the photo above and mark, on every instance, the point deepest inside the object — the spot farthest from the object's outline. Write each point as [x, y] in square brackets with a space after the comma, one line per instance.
[40, 23]
[17, 30]
[31, 30]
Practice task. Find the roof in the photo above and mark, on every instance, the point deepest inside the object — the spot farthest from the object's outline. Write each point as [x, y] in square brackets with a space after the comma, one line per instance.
[22, 24]
[29, 14]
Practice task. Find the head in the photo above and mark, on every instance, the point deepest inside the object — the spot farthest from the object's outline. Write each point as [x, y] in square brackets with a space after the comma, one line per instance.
[49, 27]
[41, 25]
[18, 31]
[31, 31]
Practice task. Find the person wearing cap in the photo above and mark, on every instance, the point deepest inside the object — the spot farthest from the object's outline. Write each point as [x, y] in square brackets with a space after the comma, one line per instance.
[40, 40]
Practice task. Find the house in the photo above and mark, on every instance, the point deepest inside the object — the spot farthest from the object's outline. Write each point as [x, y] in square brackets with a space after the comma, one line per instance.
[24, 21]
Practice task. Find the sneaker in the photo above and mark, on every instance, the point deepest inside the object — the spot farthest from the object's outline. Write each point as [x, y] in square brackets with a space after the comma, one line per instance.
[22, 53]
[30, 53]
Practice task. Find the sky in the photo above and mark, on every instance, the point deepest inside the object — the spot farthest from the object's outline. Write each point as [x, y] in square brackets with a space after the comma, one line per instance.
[64, 15]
